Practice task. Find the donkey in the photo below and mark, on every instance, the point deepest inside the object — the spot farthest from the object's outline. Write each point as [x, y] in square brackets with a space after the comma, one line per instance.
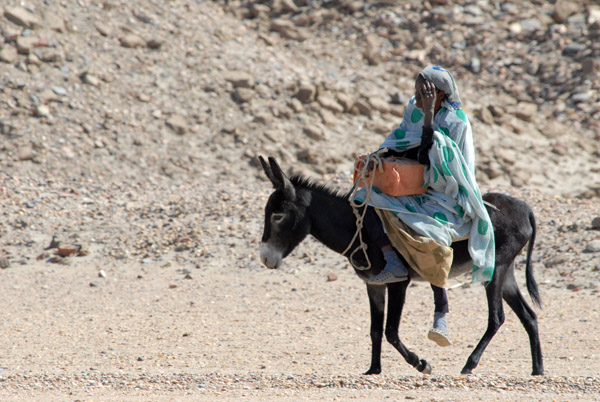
[299, 207]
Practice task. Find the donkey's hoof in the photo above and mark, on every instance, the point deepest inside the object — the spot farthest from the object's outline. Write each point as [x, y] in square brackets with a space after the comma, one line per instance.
[373, 371]
[466, 371]
[424, 367]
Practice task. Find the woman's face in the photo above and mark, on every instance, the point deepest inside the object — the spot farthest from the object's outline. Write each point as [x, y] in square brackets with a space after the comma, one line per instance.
[419, 87]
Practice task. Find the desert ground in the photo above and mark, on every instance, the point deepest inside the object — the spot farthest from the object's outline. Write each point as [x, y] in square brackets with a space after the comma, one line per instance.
[131, 200]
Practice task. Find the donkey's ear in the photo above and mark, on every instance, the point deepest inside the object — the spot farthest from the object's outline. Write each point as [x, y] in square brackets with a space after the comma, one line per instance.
[277, 183]
[288, 187]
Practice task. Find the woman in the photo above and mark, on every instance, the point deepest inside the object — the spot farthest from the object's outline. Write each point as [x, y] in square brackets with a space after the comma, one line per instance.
[436, 132]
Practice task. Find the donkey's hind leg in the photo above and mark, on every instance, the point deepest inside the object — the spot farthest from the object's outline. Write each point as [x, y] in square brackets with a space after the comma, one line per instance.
[495, 320]
[528, 318]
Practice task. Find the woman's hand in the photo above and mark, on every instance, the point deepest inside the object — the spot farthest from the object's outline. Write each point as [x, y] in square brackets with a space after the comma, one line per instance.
[428, 95]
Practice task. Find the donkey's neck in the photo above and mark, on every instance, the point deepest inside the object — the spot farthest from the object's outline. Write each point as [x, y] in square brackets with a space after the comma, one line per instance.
[331, 218]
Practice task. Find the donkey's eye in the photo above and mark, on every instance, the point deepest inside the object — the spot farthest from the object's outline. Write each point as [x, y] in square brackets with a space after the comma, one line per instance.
[277, 218]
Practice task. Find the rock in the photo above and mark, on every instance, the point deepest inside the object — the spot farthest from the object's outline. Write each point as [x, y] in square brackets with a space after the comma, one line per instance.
[330, 104]
[592, 247]
[379, 104]
[485, 115]
[101, 274]
[295, 105]
[59, 90]
[65, 250]
[590, 66]
[22, 17]
[287, 29]
[50, 56]
[243, 95]
[178, 124]
[306, 93]
[4, 263]
[154, 44]
[279, 6]
[26, 44]
[132, 41]
[314, 132]
[53, 21]
[363, 107]
[331, 277]
[563, 10]
[263, 117]
[42, 111]
[475, 65]
[399, 98]
[596, 223]
[25, 153]
[346, 101]
[104, 29]
[9, 54]
[90, 79]
[240, 79]
[526, 111]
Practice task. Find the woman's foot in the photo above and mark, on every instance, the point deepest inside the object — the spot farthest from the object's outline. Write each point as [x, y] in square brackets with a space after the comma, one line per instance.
[394, 270]
[386, 277]
[439, 332]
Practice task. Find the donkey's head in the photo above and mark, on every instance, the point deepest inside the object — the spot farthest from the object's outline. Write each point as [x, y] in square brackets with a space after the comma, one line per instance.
[286, 221]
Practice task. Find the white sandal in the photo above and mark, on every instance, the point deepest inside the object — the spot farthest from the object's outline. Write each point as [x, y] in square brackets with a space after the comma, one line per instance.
[385, 277]
[439, 336]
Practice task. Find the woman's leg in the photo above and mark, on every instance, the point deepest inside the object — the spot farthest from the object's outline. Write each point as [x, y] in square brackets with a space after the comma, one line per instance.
[394, 270]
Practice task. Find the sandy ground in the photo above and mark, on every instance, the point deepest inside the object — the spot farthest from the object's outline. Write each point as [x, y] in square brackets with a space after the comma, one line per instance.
[229, 329]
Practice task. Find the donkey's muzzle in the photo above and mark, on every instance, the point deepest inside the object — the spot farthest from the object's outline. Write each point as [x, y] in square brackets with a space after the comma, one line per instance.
[270, 256]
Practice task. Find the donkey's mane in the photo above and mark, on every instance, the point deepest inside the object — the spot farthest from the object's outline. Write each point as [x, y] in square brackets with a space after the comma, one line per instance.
[313, 185]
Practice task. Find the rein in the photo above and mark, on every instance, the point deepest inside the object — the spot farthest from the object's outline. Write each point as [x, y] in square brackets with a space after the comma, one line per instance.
[362, 174]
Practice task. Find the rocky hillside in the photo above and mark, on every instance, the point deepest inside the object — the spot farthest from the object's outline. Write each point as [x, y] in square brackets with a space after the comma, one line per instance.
[169, 92]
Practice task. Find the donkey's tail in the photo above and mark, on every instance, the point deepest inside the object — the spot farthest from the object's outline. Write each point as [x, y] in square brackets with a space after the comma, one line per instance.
[532, 286]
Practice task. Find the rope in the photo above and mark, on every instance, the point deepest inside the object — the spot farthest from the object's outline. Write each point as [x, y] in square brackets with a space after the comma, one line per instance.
[362, 174]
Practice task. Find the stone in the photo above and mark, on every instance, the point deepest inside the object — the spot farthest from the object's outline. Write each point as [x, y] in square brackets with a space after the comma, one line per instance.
[306, 93]
[154, 44]
[240, 79]
[485, 115]
[9, 54]
[263, 117]
[104, 29]
[22, 17]
[92, 80]
[379, 104]
[132, 41]
[243, 95]
[53, 21]
[590, 66]
[314, 132]
[287, 29]
[101, 274]
[332, 277]
[42, 111]
[65, 250]
[363, 107]
[26, 44]
[526, 111]
[4, 262]
[178, 124]
[592, 247]
[563, 9]
[346, 101]
[295, 105]
[25, 153]
[596, 223]
[330, 104]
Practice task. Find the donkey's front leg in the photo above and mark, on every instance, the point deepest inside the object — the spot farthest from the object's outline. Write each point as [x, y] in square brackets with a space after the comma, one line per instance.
[376, 304]
[396, 298]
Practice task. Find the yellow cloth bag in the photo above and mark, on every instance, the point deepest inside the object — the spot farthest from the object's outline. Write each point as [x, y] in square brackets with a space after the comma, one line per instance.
[430, 260]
